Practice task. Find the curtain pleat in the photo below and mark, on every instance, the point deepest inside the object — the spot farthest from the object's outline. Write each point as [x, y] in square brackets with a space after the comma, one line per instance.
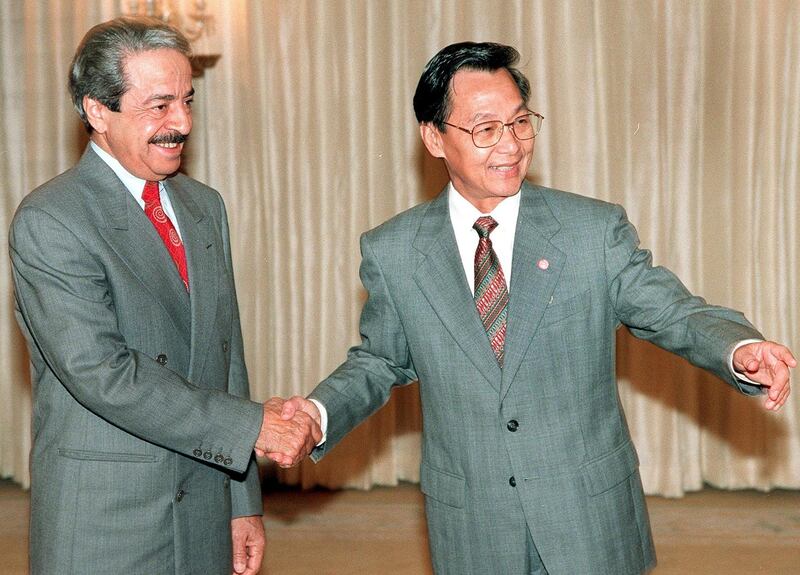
[40, 137]
[687, 113]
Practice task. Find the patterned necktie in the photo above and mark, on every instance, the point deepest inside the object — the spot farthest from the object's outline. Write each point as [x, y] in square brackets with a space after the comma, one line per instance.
[165, 229]
[491, 294]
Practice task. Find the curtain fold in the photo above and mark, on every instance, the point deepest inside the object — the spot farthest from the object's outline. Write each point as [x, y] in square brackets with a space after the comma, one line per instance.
[687, 113]
[40, 137]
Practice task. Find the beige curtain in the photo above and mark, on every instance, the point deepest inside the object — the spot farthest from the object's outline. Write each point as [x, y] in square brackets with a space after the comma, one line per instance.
[685, 112]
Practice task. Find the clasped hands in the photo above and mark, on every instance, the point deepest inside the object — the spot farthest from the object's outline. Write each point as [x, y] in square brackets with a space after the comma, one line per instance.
[290, 430]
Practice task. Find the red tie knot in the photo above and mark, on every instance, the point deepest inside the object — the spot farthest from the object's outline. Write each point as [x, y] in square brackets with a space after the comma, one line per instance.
[484, 226]
[150, 193]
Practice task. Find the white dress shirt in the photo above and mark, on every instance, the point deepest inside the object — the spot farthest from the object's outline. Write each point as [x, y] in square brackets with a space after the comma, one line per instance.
[136, 185]
[463, 216]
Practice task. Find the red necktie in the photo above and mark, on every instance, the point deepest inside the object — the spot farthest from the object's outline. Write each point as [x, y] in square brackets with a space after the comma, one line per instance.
[165, 229]
[491, 294]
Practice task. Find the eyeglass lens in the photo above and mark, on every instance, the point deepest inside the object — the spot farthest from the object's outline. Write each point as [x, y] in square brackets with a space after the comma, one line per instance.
[487, 134]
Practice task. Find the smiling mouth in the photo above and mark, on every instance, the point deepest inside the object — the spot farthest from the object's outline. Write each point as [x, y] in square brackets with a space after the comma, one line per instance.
[169, 141]
[505, 167]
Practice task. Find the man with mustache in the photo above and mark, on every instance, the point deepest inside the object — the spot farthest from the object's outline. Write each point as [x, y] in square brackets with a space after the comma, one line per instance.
[144, 436]
[503, 299]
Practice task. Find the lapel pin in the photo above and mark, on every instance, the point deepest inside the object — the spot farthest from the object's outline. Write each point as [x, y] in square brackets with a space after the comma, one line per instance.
[543, 264]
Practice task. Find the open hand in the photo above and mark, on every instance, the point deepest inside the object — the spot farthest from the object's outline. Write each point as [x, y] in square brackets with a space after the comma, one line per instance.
[767, 363]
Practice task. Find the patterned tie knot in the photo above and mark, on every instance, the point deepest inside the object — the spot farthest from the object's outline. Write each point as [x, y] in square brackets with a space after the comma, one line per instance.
[484, 226]
[150, 193]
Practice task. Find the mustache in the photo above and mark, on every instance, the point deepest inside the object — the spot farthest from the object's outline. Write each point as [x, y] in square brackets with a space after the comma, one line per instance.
[169, 138]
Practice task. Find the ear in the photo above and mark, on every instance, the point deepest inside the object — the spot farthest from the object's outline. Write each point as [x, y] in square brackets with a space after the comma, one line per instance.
[432, 138]
[96, 113]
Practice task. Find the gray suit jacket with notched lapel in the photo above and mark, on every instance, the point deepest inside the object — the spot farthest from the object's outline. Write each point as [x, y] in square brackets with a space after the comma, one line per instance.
[541, 444]
[143, 430]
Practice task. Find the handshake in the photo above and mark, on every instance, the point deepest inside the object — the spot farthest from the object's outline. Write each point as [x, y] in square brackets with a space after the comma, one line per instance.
[290, 429]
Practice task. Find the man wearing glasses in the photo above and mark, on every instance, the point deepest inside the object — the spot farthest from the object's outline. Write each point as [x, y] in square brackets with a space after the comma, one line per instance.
[503, 300]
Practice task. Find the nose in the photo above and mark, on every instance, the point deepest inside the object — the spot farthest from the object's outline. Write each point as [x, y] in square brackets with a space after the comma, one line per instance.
[180, 118]
[508, 140]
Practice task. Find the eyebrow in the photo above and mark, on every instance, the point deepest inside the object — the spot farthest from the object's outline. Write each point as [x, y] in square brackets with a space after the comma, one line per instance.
[486, 116]
[167, 97]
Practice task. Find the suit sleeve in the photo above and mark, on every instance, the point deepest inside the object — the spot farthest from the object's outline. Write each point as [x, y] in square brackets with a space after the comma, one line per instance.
[65, 302]
[657, 307]
[363, 383]
[245, 490]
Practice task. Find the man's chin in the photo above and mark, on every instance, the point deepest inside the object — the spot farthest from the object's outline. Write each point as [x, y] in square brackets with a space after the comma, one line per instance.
[507, 191]
[167, 170]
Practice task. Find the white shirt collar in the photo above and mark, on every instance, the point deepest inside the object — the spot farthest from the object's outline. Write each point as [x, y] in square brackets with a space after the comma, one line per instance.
[462, 217]
[134, 185]
[463, 213]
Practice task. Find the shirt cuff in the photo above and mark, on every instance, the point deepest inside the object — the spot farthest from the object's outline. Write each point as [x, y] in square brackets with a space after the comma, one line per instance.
[734, 373]
[323, 419]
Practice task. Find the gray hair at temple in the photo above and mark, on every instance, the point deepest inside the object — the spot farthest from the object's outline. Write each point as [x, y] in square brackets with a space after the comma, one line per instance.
[98, 68]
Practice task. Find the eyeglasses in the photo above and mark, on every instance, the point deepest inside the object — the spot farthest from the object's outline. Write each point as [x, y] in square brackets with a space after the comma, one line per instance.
[487, 134]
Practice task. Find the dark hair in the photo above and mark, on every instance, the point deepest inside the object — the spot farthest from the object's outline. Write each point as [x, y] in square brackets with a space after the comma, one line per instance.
[432, 100]
[98, 68]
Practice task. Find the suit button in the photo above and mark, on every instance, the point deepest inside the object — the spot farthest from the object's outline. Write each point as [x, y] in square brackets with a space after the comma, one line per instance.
[225, 346]
[197, 452]
[179, 496]
[512, 482]
[218, 458]
[208, 455]
[161, 359]
[512, 425]
[228, 461]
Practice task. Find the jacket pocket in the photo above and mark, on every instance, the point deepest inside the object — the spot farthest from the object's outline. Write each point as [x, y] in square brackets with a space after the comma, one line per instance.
[442, 486]
[561, 310]
[610, 470]
[86, 455]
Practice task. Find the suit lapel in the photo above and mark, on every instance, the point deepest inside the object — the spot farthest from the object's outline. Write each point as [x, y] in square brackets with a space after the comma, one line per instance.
[134, 239]
[536, 268]
[441, 279]
[201, 262]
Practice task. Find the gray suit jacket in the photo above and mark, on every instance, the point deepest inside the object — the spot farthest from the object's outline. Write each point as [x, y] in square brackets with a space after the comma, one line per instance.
[143, 432]
[541, 444]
